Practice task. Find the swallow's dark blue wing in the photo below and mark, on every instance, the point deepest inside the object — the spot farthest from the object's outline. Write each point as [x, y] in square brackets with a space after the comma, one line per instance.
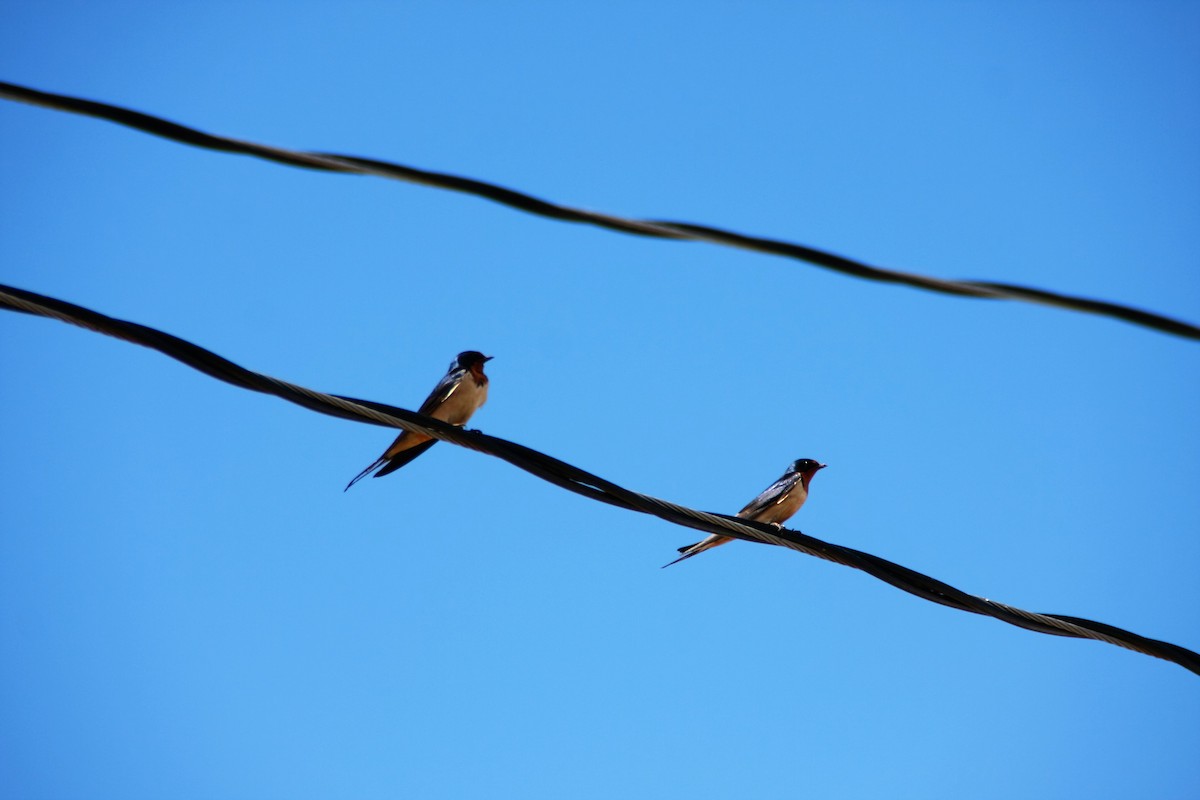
[773, 495]
[447, 386]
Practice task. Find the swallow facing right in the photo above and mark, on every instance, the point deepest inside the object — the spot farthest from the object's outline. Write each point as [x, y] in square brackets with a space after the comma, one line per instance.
[458, 395]
[774, 506]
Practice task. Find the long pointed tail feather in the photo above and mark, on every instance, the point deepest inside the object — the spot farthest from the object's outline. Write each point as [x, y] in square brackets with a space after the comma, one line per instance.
[699, 547]
[374, 465]
[387, 465]
[687, 553]
[403, 457]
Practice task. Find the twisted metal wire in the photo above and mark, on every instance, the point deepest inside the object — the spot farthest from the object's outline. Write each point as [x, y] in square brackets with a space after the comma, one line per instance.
[662, 229]
[585, 483]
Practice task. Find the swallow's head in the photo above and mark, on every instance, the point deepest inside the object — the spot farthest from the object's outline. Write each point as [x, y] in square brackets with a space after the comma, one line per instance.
[472, 360]
[807, 467]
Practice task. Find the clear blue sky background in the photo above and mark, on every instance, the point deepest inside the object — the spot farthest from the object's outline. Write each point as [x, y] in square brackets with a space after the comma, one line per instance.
[190, 607]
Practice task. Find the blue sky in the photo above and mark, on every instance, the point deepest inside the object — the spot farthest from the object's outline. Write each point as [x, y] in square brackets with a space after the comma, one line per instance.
[190, 607]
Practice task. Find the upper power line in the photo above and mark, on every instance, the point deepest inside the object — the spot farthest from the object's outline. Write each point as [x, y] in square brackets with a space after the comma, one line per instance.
[329, 162]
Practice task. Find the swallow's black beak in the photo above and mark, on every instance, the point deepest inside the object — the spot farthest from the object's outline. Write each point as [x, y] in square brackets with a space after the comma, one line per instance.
[822, 466]
[487, 358]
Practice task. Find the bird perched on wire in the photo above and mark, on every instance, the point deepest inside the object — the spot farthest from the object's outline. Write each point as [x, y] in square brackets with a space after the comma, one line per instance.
[774, 506]
[457, 396]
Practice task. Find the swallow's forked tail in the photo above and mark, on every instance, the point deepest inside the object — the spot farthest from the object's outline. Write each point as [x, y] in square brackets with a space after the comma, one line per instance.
[688, 551]
[715, 540]
[387, 465]
[403, 457]
[374, 465]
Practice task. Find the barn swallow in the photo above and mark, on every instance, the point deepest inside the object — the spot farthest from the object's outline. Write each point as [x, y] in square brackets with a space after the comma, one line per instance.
[457, 396]
[774, 506]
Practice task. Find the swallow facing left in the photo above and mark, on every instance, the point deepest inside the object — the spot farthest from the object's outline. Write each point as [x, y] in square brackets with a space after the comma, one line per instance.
[774, 506]
[457, 396]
